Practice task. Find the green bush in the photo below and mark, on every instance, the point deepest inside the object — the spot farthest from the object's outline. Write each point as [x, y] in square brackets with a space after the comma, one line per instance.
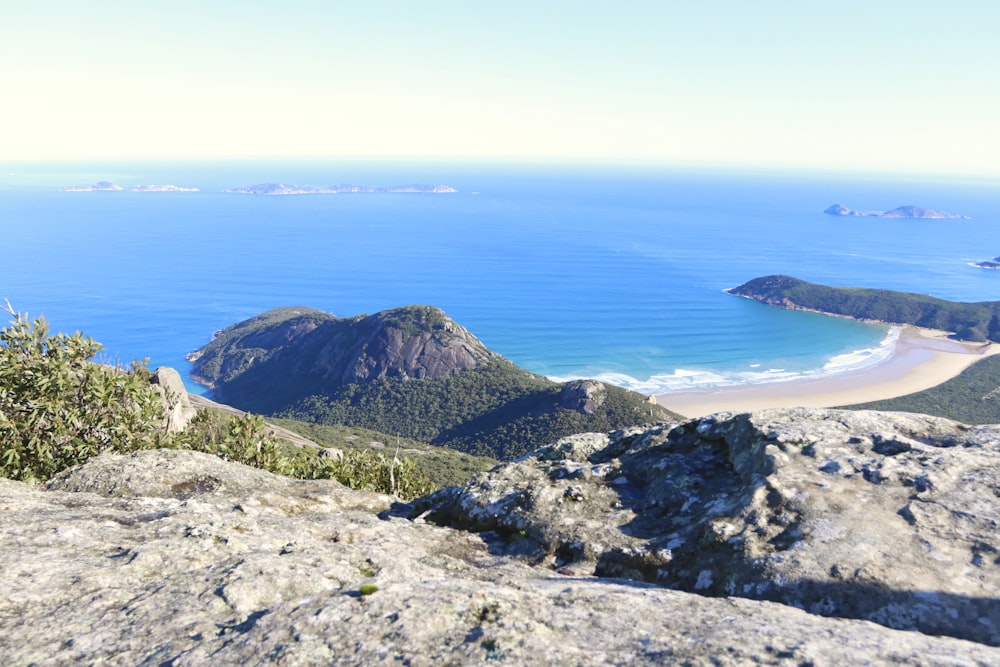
[58, 409]
[368, 470]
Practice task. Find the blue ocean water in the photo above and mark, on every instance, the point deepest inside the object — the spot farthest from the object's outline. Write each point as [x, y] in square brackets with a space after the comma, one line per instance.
[568, 270]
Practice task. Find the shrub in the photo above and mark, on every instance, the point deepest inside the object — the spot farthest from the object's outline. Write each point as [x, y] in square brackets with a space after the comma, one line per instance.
[58, 409]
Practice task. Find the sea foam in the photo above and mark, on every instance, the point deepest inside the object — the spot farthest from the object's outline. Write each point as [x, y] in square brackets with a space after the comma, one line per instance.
[690, 379]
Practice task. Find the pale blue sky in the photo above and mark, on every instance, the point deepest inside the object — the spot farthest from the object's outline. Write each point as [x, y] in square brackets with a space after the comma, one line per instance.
[908, 86]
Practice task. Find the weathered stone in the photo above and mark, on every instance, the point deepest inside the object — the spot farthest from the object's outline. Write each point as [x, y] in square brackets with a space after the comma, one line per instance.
[144, 564]
[168, 384]
[888, 517]
[584, 396]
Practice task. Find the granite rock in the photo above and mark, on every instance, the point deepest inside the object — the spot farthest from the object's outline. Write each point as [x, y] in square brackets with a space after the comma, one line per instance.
[170, 387]
[178, 558]
[887, 517]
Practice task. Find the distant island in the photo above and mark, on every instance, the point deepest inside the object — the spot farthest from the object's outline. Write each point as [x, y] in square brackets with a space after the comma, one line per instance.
[282, 189]
[162, 188]
[100, 186]
[915, 212]
[988, 263]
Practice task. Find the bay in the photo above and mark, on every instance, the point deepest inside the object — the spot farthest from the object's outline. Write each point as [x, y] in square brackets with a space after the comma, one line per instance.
[568, 270]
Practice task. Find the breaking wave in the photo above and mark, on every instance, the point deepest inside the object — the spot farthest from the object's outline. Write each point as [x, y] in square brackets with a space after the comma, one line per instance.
[690, 379]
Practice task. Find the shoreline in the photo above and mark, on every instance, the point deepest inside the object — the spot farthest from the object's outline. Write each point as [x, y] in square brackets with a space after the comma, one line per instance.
[921, 359]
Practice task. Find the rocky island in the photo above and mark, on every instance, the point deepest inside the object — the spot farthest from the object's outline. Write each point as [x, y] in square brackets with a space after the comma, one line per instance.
[283, 189]
[914, 212]
[100, 186]
[162, 188]
[988, 263]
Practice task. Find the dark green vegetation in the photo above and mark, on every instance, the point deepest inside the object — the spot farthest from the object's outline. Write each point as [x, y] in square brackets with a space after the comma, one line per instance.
[972, 397]
[968, 321]
[440, 465]
[409, 372]
[58, 409]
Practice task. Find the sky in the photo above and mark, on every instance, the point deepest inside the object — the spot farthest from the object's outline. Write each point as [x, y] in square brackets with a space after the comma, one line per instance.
[903, 86]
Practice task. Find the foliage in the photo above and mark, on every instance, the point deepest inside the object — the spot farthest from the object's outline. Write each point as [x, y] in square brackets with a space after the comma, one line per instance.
[497, 410]
[243, 439]
[442, 466]
[343, 371]
[972, 397]
[367, 470]
[969, 321]
[58, 409]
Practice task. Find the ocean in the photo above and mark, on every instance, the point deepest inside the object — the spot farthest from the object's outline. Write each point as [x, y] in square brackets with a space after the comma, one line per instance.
[613, 272]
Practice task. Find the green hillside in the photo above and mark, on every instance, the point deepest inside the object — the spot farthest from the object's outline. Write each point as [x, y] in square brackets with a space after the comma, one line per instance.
[409, 372]
[973, 397]
[968, 321]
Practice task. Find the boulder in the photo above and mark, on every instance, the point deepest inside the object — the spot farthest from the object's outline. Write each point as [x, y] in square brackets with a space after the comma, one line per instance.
[168, 384]
[178, 558]
[887, 517]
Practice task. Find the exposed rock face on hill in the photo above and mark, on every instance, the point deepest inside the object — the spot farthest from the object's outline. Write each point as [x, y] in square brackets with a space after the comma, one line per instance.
[169, 557]
[413, 342]
[408, 371]
[887, 517]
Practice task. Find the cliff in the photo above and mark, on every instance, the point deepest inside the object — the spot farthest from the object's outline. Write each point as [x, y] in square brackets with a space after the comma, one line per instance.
[409, 371]
[787, 537]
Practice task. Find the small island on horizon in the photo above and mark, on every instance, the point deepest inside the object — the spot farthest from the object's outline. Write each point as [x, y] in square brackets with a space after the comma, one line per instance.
[100, 186]
[108, 186]
[988, 263]
[913, 212]
[273, 189]
[162, 188]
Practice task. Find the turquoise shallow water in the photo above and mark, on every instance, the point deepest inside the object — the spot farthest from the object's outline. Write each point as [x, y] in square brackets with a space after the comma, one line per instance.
[567, 270]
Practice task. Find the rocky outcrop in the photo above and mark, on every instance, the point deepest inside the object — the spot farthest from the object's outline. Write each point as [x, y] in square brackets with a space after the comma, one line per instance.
[178, 558]
[170, 387]
[583, 396]
[887, 517]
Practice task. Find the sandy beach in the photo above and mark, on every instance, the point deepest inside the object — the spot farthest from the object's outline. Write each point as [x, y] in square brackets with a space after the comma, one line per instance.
[922, 359]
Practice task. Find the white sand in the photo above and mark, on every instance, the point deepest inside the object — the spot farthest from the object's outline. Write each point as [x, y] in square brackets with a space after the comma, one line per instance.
[923, 358]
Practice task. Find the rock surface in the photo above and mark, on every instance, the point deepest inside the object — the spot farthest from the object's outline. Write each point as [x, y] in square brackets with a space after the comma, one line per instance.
[179, 412]
[178, 558]
[887, 517]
